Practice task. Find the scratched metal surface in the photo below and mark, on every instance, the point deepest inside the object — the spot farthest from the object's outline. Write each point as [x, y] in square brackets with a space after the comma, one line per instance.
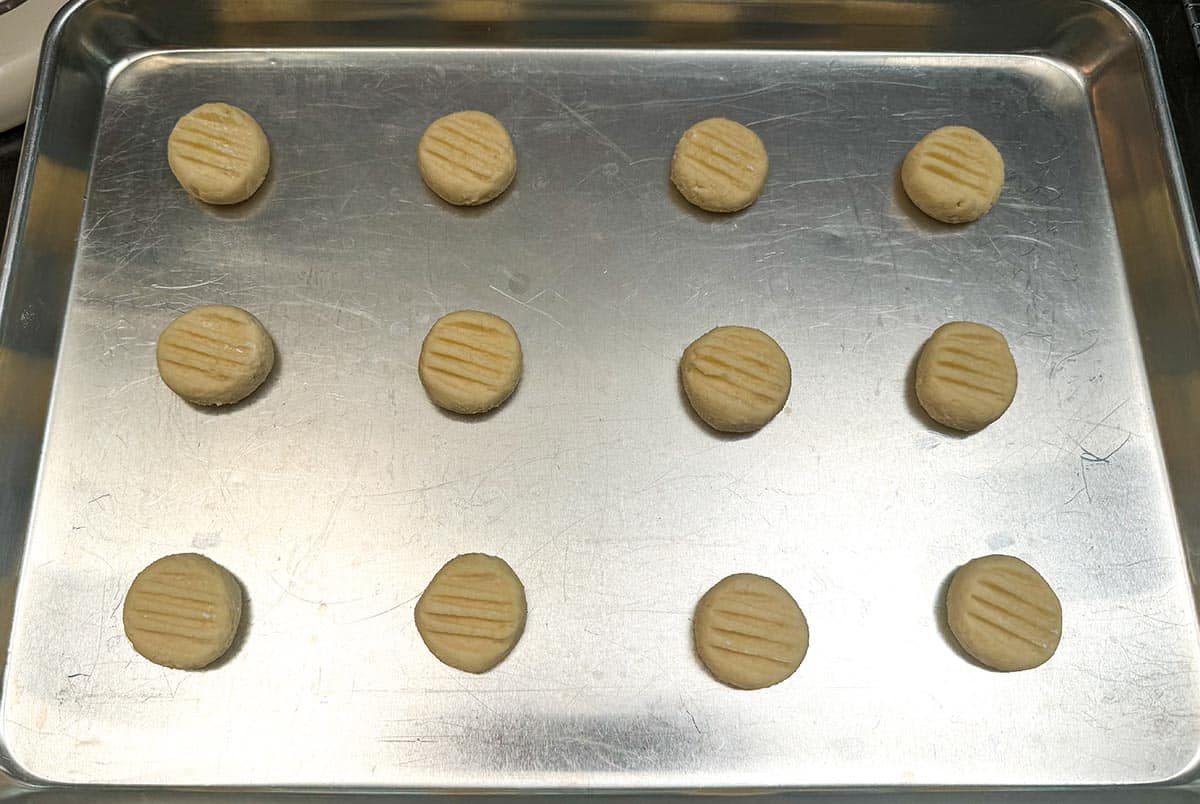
[338, 490]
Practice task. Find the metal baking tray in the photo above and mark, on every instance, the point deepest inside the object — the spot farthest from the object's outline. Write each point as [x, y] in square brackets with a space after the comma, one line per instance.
[338, 490]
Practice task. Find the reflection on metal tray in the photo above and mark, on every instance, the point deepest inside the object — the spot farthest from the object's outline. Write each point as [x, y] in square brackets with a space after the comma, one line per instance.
[338, 490]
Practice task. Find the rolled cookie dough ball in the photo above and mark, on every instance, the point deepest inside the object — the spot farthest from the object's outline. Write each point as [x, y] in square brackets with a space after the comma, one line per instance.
[736, 378]
[954, 174]
[749, 632]
[472, 613]
[219, 153]
[183, 611]
[719, 165]
[966, 376]
[467, 158]
[215, 355]
[1004, 613]
[470, 361]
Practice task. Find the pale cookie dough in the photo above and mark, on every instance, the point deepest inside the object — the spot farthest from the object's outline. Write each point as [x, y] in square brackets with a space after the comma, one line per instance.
[719, 165]
[736, 378]
[472, 613]
[219, 153]
[215, 355]
[954, 174]
[470, 361]
[966, 376]
[183, 611]
[467, 158]
[749, 632]
[1004, 613]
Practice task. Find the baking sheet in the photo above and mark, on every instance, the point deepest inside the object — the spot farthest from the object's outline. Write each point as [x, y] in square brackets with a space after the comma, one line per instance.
[338, 490]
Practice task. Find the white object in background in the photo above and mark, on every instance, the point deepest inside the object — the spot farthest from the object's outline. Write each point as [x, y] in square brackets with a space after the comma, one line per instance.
[21, 33]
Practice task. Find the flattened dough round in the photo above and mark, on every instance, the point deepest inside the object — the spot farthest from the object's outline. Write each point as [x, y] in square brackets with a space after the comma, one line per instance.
[966, 376]
[467, 158]
[219, 153]
[749, 632]
[215, 355]
[183, 611]
[736, 378]
[470, 361]
[1004, 613]
[719, 165]
[954, 174]
[472, 613]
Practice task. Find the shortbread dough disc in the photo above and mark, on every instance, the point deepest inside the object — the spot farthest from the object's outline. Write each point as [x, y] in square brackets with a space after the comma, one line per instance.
[966, 376]
[470, 361]
[1004, 613]
[749, 632]
[472, 613]
[183, 611]
[719, 165]
[954, 174]
[467, 158]
[736, 378]
[215, 355]
[219, 153]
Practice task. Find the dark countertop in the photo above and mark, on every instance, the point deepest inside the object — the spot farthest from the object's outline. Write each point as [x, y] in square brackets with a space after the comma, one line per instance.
[1166, 19]
[10, 149]
[1168, 24]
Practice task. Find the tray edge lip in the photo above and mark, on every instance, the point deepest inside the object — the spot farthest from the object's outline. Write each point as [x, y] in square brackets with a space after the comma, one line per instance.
[1188, 776]
[10, 768]
[47, 65]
